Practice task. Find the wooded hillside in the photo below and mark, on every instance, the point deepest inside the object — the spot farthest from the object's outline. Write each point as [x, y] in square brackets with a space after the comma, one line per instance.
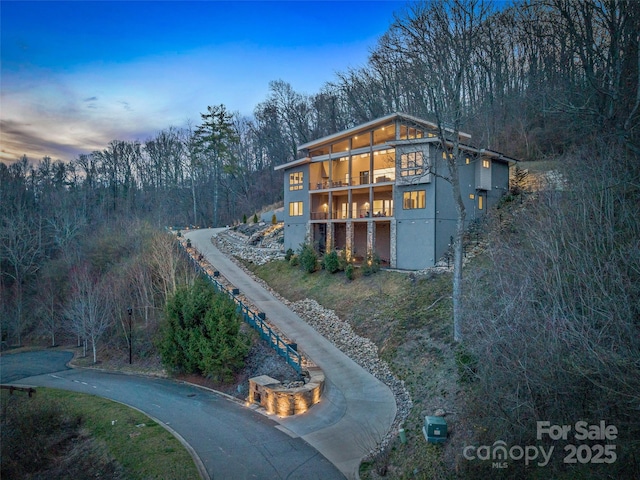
[552, 320]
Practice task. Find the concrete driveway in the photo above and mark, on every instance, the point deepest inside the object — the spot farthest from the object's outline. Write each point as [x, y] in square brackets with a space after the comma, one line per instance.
[356, 409]
[228, 440]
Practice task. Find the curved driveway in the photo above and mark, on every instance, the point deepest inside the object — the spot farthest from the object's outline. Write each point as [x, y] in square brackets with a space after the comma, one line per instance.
[230, 440]
[356, 409]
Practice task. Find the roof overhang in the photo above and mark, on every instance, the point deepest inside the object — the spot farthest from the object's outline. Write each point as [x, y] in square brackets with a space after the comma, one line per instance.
[498, 156]
[374, 123]
[390, 118]
[294, 163]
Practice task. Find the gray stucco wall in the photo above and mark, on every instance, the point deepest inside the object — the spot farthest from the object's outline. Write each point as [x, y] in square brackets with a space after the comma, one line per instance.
[414, 246]
[499, 181]
[446, 215]
[295, 231]
[422, 236]
[295, 235]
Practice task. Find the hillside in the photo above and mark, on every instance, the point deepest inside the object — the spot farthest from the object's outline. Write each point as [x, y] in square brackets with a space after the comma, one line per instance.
[517, 367]
[403, 339]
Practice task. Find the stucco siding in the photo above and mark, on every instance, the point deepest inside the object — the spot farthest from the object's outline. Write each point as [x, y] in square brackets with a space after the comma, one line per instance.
[500, 182]
[414, 244]
[354, 181]
[294, 235]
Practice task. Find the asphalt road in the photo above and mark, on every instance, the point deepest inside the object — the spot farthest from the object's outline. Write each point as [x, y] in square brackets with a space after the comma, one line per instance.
[230, 440]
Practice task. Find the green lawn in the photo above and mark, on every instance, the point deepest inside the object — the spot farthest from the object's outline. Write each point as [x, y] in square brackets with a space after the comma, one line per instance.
[60, 434]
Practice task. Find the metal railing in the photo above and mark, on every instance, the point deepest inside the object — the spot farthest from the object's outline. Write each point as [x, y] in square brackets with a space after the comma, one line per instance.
[256, 320]
[361, 213]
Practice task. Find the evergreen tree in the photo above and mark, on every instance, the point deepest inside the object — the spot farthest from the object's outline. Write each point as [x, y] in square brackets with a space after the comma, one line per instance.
[202, 333]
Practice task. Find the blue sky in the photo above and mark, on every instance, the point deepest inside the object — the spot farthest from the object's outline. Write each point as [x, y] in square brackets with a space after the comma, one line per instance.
[76, 75]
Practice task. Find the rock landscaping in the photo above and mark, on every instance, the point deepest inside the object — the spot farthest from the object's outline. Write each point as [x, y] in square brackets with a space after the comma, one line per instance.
[325, 321]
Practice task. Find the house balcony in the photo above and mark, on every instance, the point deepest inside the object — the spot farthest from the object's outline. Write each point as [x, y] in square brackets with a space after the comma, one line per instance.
[328, 184]
[352, 203]
[361, 214]
[356, 181]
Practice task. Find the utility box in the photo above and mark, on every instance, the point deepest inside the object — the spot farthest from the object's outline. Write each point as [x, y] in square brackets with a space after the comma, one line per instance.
[435, 429]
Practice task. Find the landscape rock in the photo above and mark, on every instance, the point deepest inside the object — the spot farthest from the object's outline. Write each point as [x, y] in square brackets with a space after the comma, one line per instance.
[325, 321]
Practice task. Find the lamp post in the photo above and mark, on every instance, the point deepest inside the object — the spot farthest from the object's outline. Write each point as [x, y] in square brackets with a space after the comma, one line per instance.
[130, 311]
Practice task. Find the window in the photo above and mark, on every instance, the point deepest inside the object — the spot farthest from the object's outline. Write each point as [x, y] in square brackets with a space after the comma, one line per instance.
[324, 150]
[295, 209]
[340, 147]
[382, 208]
[480, 202]
[486, 163]
[361, 140]
[384, 134]
[411, 164]
[409, 133]
[415, 199]
[296, 181]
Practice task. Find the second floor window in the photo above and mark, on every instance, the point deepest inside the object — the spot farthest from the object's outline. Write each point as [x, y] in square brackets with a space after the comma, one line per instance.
[411, 164]
[415, 199]
[295, 209]
[296, 181]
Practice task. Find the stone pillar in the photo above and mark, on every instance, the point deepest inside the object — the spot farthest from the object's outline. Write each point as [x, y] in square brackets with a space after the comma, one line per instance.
[371, 239]
[392, 244]
[330, 241]
[349, 241]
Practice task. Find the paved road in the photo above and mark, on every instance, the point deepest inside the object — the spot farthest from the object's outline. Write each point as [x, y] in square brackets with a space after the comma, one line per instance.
[356, 409]
[230, 440]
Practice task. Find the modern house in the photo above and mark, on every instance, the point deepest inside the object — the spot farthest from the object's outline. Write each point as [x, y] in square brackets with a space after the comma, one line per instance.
[379, 189]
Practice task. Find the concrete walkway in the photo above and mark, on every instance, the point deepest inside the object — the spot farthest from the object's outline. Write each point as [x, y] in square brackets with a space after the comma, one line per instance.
[356, 409]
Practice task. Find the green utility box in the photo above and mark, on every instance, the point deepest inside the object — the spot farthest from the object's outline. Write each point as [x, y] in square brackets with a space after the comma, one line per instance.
[435, 429]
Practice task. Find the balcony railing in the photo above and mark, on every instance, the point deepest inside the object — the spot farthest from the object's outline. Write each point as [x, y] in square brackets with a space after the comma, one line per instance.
[325, 184]
[362, 213]
[354, 182]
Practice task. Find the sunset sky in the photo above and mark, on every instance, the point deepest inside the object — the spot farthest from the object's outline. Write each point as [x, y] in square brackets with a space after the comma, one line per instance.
[76, 75]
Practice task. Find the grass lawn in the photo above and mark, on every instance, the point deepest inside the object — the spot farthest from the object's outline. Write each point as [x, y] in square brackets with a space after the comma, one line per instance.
[60, 434]
[408, 317]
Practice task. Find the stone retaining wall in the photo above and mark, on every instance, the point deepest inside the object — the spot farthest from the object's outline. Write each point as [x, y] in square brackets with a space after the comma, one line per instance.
[289, 399]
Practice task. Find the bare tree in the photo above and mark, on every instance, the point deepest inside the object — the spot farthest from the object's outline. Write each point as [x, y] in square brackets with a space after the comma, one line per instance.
[49, 299]
[88, 310]
[438, 40]
[22, 250]
[164, 259]
[552, 318]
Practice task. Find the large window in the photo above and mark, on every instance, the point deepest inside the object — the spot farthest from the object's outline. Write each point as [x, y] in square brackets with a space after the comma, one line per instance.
[414, 199]
[409, 133]
[384, 134]
[295, 209]
[382, 208]
[411, 164]
[296, 181]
